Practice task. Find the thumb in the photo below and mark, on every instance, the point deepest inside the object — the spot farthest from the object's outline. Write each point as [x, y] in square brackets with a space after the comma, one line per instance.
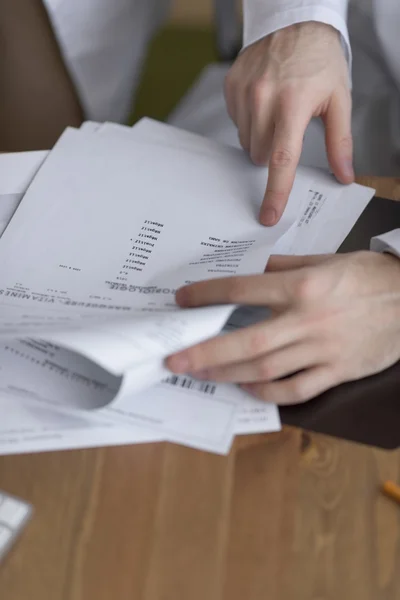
[339, 141]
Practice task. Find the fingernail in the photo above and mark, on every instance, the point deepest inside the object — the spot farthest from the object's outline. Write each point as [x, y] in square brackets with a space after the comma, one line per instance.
[268, 216]
[178, 363]
[348, 169]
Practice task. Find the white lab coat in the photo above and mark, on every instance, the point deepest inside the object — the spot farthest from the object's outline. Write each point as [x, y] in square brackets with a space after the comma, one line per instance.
[105, 41]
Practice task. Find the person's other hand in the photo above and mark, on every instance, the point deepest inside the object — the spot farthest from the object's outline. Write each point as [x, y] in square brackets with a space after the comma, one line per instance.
[274, 89]
[335, 319]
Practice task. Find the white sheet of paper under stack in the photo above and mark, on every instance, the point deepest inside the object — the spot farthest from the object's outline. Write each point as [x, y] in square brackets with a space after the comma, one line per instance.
[96, 237]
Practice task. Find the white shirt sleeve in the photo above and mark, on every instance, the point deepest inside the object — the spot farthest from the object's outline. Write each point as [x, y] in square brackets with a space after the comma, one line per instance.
[262, 17]
[388, 242]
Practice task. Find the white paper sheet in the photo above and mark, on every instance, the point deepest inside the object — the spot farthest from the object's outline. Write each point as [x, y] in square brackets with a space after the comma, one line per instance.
[85, 187]
[324, 221]
[181, 410]
[328, 216]
[107, 193]
[16, 173]
[24, 167]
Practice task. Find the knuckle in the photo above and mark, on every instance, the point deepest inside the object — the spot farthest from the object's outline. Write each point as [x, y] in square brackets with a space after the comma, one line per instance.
[289, 98]
[263, 393]
[235, 290]
[298, 391]
[323, 324]
[332, 350]
[229, 93]
[343, 91]
[281, 158]
[197, 358]
[231, 110]
[356, 268]
[259, 155]
[346, 143]
[244, 140]
[257, 342]
[278, 198]
[341, 371]
[257, 95]
[364, 257]
[230, 80]
[265, 370]
[306, 287]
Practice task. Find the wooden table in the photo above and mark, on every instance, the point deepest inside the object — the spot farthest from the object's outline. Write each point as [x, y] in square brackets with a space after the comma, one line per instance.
[284, 516]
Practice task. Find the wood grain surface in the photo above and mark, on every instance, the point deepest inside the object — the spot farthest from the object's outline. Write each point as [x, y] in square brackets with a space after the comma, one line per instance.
[284, 516]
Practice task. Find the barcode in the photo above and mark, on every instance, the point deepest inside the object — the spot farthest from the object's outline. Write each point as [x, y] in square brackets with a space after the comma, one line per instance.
[192, 384]
[314, 205]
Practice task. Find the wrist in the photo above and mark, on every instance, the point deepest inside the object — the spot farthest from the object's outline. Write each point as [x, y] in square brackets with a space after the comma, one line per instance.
[305, 48]
[310, 28]
[309, 33]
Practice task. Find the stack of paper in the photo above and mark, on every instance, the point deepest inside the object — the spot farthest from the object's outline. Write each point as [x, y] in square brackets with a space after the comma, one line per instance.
[96, 237]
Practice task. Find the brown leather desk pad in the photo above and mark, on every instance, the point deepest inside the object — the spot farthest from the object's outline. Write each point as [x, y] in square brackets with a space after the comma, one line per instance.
[366, 411]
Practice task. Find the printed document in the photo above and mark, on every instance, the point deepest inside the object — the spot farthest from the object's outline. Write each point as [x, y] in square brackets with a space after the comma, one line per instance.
[112, 222]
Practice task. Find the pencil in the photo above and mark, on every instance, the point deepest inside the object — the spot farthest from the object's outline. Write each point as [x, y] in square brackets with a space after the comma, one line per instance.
[392, 490]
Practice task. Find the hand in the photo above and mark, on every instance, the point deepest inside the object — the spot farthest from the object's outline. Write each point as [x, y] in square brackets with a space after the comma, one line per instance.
[335, 319]
[274, 89]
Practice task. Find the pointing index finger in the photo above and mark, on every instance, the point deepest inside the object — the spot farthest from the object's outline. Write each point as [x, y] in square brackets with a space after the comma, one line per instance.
[285, 155]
